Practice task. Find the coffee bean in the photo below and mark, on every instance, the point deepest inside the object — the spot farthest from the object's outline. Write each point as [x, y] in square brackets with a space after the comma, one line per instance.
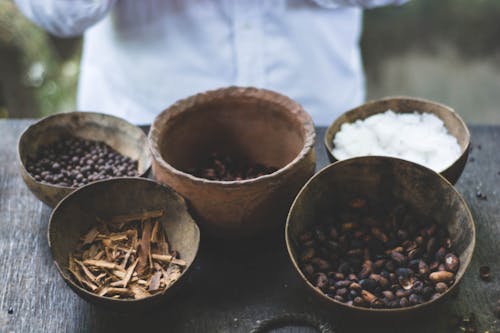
[432, 245]
[224, 168]
[308, 269]
[343, 292]
[415, 299]
[441, 287]
[402, 234]
[485, 273]
[368, 284]
[345, 268]
[338, 298]
[366, 269]
[423, 268]
[321, 280]
[343, 284]
[355, 286]
[403, 293]
[379, 264]
[358, 301]
[381, 280]
[352, 277]
[418, 287]
[319, 235]
[307, 254]
[403, 302]
[451, 262]
[377, 304]
[403, 272]
[380, 261]
[434, 266]
[441, 276]
[368, 297]
[306, 236]
[321, 264]
[390, 265]
[440, 254]
[399, 258]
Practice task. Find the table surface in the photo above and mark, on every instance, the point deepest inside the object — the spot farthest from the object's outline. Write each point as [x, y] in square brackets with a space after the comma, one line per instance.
[231, 288]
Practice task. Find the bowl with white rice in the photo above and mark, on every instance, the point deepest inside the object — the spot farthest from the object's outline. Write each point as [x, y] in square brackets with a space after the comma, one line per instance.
[421, 131]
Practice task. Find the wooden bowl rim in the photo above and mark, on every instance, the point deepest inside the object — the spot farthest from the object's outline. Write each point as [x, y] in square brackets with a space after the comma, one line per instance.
[329, 134]
[232, 92]
[109, 299]
[412, 308]
[52, 118]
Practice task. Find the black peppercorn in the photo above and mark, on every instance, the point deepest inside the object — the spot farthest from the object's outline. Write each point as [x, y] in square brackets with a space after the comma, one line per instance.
[74, 162]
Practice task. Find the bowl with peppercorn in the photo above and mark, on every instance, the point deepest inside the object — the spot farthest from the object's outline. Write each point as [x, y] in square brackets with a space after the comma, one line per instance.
[238, 155]
[380, 236]
[62, 152]
[414, 129]
[123, 243]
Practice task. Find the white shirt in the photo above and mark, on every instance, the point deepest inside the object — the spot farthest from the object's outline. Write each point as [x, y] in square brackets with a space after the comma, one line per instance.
[140, 56]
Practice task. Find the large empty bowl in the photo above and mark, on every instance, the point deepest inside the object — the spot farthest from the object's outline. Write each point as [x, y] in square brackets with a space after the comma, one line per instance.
[253, 124]
[74, 216]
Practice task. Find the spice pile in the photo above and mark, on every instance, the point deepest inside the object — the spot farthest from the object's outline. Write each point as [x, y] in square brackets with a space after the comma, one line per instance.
[75, 162]
[225, 168]
[417, 137]
[127, 257]
[389, 259]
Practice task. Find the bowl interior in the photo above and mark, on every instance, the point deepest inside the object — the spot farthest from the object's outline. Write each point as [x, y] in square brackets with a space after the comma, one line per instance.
[382, 181]
[243, 127]
[77, 213]
[122, 136]
[452, 121]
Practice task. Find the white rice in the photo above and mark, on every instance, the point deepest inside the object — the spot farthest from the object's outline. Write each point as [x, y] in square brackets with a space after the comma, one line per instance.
[418, 137]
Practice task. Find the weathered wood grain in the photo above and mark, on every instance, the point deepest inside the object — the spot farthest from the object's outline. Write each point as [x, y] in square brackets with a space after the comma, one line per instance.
[232, 286]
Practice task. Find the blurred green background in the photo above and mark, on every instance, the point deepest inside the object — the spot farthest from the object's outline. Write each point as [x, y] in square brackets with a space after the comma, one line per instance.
[444, 50]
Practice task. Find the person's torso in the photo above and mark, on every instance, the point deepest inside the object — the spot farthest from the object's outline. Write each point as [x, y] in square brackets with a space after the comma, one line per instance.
[147, 54]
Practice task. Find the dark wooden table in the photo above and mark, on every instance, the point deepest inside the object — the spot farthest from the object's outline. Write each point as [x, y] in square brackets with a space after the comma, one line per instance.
[232, 286]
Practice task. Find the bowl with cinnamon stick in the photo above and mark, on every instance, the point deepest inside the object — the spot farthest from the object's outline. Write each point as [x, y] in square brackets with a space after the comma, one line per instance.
[124, 243]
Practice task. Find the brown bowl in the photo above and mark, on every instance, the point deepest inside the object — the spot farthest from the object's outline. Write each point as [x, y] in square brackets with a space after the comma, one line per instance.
[452, 121]
[259, 125]
[382, 181]
[77, 213]
[125, 138]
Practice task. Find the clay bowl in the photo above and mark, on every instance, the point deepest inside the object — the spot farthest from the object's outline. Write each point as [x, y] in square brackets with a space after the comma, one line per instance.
[125, 138]
[77, 213]
[452, 121]
[258, 125]
[382, 181]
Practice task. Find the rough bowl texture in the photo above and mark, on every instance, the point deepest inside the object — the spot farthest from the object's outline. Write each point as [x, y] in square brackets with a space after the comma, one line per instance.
[77, 213]
[381, 180]
[450, 118]
[125, 138]
[259, 125]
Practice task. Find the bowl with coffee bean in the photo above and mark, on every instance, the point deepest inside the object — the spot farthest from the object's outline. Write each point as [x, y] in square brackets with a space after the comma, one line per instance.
[65, 151]
[238, 155]
[380, 236]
